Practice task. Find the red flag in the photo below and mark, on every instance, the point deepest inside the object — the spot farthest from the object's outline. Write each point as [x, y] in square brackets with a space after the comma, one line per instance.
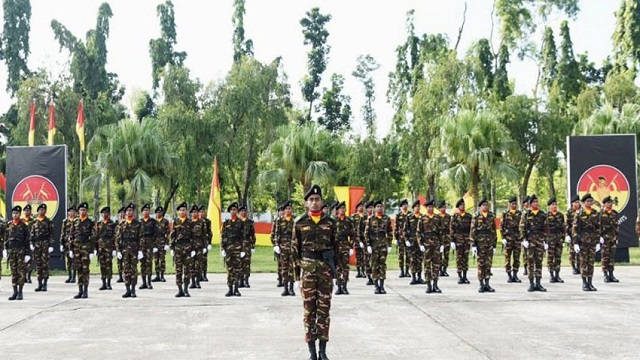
[52, 124]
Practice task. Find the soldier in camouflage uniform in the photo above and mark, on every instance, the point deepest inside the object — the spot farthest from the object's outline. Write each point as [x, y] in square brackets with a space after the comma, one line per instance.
[483, 238]
[510, 228]
[233, 249]
[147, 246]
[3, 251]
[83, 240]
[459, 231]
[533, 225]
[17, 252]
[413, 246]
[358, 223]
[198, 232]
[272, 237]
[206, 243]
[41, 238]
[429, 235]
[446, 237]
[182, 244]
[129, 235]
[585, 233]
[162, 243]
[65, 245]
[571, 214]
[555, 238]
[403, 253]
[119, 261]
[367, 256]
[283, 246]
[315, 245]
[28, 219]
[249, 239]
[378, 237]
[608, 238]
[525, 251]
[345, 235]
[106, 234]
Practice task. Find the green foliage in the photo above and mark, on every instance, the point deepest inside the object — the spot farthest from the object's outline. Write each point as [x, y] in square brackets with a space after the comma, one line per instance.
[620, 89]
[365, 67]
[315, 34]
[161, 49]
[569, 79]
[335, 108]
[15, 41]
[626, 37]
[241, 47]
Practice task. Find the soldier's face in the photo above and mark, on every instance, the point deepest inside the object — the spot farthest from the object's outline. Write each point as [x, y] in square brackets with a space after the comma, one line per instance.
[71, 214]
[128, 212]
[443, 210]
[41, 212]
[360, 208]
[287, 210]
[370, 209]
[243, 213]
[325, 210]
[588, 203]
[202, 214]
[608, 205]
[27, 212]
[484, 207]
[281, 213]
[194, 215]
[430, 208]
[159, 215]
[576, 205]
[379, 208]
[342, 210]
[461, 207]
[314, 203]
[145, 212]
[83, 212]
[15, 215]
[182, 212]
[233, 212]
[405, 207]
[513, 205]
[534, 204]
[106, 215]
[416, 209]
[553, 207]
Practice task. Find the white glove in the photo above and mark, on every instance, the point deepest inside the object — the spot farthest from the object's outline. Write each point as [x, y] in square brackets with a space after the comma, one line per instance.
[32, 247]
[361, 245]
[242, 254]
[173, 253]
[576, 248]
[474, 250]
[193, 253]
[91, 256]
[441, 248]
[396, 242]
[504, 242]
[389, 248]
[422, 248]
[4, 254]
[350, 252]
[408, 243]
[525, 243]
[598, 247]
[50, 249]
[140, 255]
[276, 249]
[546, 246]
[297, 285]
[71, 254]
[166, 248]
[119, 255]
[453, 245]
[61, 248]
[494, 250]
[113, 253]
[155, 250]
[209, 247]
[567, 239]
[204, 251]
[601, 240]
[369, 249]
[222, 253]
[27, 258]
[253, 250]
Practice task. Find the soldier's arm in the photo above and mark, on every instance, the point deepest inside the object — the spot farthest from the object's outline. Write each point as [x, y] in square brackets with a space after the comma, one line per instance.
[93, 239]
[252, 232]
[296, 244]
[472, 231]
[616, 227]
[367, 231]
[172, 235]
[522, 226]
[274, 225]
[575, 227]
[51, 230]
[389, 233]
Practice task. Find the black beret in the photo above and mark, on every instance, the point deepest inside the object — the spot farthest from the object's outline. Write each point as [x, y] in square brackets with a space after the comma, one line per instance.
[369, 204]
[314, 190]
[42, 206]
[335, 205]
[131, 206]
[341, 204]
[442, 204]
[403, 202]
[607, 199]
[194, 208]
[360, 203]
[526, 199]
[326, 206]
[71, 208]
[231, 206]
[430, 203]
[159, 209]
[146, 207]
[242, 207]
[482, 201]
[279, 208]
[586, 197]
[459, 202]
[513, 199]
[532, 198]
[552, 200]
[17, 208]
[416, 203]
[121, 210]
[105, 209]
[201, 208]
[575, 198]
[287, 203]
[82, 205]
[378, 202]
[28, 207]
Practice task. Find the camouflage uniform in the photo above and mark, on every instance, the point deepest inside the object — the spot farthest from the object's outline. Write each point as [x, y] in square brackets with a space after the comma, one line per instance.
[585, 232]
[483, 236]
[65, 242]
[532, 226]
[249, 240]
[17, 246]
[345, 235]
[446, 242]
[415, 255]
[276, 256]
[609, 232]
[460, 229]
[106, 234]
[83, 243]
[206, 244]
[555, 238]
[429, 235]
[574, 258]
[3, 230]
[283, 238]
[378, 234]
[147, 244]
[199, 232]
[41, 238]
[182, 243]
[367, 257]
[358, 223]
[232, 244]
[129, 235]
[160, 257]
[403, 252]
[29, 221]
[510, 230]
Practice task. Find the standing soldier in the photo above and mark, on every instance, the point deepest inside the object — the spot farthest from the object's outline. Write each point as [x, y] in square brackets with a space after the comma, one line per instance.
[429, 231]
[378, 236]
[28, 219]
[585, 233]
[276, 256]
[183, 251]
[533, 226]
[83, 240]
[41, 238]
[571, 215]
[17, 251]
[460, 229]
[401, 219]
[147, 246]
[249, 239]
[525, 251]
[106, 234]
[129, 235]
[65, 244]
[315, 245]
[510, 228]
[233, 249]
[283, 234]
[608, 238]
[119, 261]
[208, 234]
[162, 243]
[3, 251]
[413, 247]
[358, 243]
[446, 237]
[367, 256]
[556, 226]
[483, 237]
[198, 230]
[326, 209]
[345, 235]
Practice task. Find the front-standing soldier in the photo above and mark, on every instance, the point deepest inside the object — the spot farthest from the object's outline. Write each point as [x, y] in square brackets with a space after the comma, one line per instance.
[510, 228]
[460, 229]
[17, 251]
[249, 239]
[119, 261]
[585, 234]
[556, 226]
[525, 251]
[198, 230]
[413, 245]
[571, 215]
[147, 246]
[233, 249]
[206, 245]
[378, 237]
[358, 243]
[445, 237]
[182, 250]
[65, 244]
[283, 247]
[83, 249]
[28, 219]
[401, 219]
[483, 238]
[315, 246]
[129, 235]
[162, 243]
[429, 230]
[106, 234]
[533, 226]
[41, 237]
[608, 238]
[345, 235]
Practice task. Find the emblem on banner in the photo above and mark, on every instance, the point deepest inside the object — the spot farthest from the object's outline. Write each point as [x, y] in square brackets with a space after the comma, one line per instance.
[35, 190]
[602, 181]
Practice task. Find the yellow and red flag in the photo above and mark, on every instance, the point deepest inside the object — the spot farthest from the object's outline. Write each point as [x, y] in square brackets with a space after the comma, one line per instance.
[52, 124]
[351, 195]
[32, 124]
[80, 125]
[214, 208]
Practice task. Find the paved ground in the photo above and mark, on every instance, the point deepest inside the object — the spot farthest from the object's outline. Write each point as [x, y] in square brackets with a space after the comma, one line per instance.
[404, 324]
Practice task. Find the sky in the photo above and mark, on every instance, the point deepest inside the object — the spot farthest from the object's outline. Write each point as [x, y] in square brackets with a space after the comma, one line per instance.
[204, 31]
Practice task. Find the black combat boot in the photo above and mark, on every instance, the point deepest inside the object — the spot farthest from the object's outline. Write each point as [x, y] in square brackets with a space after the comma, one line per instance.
[312, 350]
[401, 273]
[429, 288]
[80, 291]
[229, 293]
[414, 279]
[344, 288]
[488, 287]
[193, 283]
[144, 283]
[322, 353]
[339, 288]
[510, 279]
[539, 286]
[526, 272]
[558, 278]
[133, 291]
[73, 277]
[532, 286]
[19, 297]
[127, 294]
[85, 291]
[576, 269]
[120, 279]
[104, 284]
[606, 277]
[481, 289]
[157, 278]
[436, 289]
[246, 282]
[377, 288]
[420, 281]
[552, 277]
[197, 280]
[612, 278]
[280, 284]
[460, 281]
[370, 282]
[590, 283]
[381, 286]
[185, 289]
[464, 277]
[180, 292]
[15, 294]
[39, 288]
[69, 279]
[149, 282]
[162, 277]
[29, 275]
[406, 272]
[444, 271]
[241, 282]
[236, 291]
[109, 284]
[285, 292]
[359, 274]
[291, 292]
[515, 277]
[44, 284]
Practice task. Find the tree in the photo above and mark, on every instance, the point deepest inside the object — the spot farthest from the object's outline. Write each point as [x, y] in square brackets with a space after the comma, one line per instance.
[549, 59]
[241, 47]
[142, 105]
[15, 41]
[366, 65]
[161, 49]
[315, 34]
[569, 79]
[626, 37]
[619, 88]
[335, 108]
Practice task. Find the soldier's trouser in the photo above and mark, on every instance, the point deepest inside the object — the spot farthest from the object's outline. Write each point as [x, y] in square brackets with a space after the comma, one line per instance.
[160, 259]
[204, 262]
[246, 263]
[196, 269]
[525, 258]
[68, 261]
[379, 262]
[105, 256]
[512, 254]
[536, 254]
[41, 255]
[485, 258]
[130, 264]
[316, 286]
[184, 264]
[608, 252]
[342, 263]
[432, 260]
[554, 253]
[416, 257]
[234, 265]
[587, 256]
[367, 262]
[18, 267]
[360, 258]
[82, 263]
[285, 264]
[146, 263]
[462, 252]
[573, 257]
[403, 254]
[445, 254]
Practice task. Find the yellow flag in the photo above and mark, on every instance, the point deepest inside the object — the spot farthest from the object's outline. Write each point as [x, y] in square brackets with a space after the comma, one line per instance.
[213, 209]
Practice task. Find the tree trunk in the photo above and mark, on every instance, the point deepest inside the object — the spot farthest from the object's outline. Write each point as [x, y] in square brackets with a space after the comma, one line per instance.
[552, 187]
[475, 185]
[431, 187]
[527, 175]
[108, 190]
[248, 170]
[96, 203]
[493, 196]
[173, 187]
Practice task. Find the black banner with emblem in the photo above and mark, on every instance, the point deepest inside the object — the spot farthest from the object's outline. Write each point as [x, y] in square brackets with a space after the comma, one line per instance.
[36, 175]
[605, 165]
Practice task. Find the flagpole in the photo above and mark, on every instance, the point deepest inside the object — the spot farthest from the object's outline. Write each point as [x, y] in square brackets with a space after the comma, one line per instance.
[80, 194]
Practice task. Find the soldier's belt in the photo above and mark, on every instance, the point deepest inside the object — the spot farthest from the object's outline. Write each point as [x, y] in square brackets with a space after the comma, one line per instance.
[430, 233]
[148, 234]
[315, 255]
[556, 231]
[129, 240]
[83, 238]
[15, 244]
[41, 238]
[483, 232]
[183, 242]
[462, 231]
[607, 231]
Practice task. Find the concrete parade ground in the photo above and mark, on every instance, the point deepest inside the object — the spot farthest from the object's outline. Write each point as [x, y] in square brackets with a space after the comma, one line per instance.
[460, 323]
